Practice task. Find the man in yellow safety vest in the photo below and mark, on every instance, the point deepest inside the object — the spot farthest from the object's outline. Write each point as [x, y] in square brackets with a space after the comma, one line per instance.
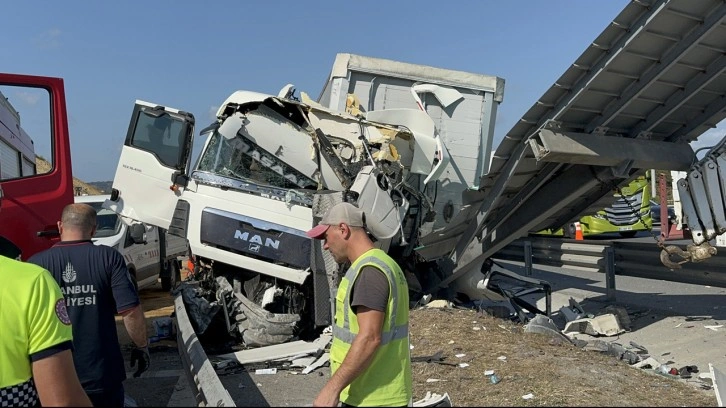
[369, 356]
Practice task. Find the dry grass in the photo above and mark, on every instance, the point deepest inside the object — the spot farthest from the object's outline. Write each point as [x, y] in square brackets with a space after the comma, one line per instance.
[556, 374]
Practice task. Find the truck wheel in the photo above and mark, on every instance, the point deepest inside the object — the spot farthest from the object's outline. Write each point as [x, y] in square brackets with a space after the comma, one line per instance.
[569, 231]
[172, 280]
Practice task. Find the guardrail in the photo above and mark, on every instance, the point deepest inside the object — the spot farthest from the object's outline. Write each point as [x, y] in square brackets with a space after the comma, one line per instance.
[208, 390]
[627, 258]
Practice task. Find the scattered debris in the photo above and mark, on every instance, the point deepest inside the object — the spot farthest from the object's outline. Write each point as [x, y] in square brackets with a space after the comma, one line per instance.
[279, 351]
[261, 371]
[317, 363]
[544, 325]
[686, 371]
[463, 365]
[666, 369]
[440, 303]
[613, 349]
[573, 312]
[603, 325]
[488, 372]
[621, 314]
[164, 329]
[302, 362]
[433, 400]
[514, 287]
[437, 358]
[528, 396]
[502, 358]
[714, 327]
[224, 367]
[460, 355]
[649, 362]
[494, 379]
[430, 380]
[639, 347]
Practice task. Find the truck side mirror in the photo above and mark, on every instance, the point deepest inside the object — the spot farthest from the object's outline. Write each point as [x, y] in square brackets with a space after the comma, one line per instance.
[180, 179]
[138, 233]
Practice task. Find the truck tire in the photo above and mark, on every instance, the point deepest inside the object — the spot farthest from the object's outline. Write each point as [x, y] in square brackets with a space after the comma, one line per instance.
[169, 282]
[569, 231]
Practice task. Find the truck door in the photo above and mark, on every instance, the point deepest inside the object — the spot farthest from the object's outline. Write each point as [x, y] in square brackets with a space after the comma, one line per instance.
[146, 257]
[35, 162]
[154, 164]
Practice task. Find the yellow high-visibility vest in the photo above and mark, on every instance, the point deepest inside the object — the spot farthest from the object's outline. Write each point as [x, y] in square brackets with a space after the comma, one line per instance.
[387, 380]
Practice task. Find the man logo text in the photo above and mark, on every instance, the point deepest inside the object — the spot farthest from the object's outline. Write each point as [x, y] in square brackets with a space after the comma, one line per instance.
[256, 239]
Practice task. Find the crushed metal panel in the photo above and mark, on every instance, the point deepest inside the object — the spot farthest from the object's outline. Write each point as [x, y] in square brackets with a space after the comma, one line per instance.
[317, 363]
[544, 325]
[278, 351]
[603, 325]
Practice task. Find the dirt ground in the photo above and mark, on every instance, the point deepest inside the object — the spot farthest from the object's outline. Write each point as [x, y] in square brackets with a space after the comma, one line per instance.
[555, 374]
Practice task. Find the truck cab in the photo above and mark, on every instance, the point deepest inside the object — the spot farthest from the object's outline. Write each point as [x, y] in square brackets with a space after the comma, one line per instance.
[149, 259]
[271, 165]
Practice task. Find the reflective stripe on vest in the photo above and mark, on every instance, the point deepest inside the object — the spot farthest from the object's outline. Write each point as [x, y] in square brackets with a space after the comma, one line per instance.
[395, 332]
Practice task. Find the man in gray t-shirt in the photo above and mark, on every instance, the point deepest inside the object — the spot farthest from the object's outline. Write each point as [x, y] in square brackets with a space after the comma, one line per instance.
[370, 289]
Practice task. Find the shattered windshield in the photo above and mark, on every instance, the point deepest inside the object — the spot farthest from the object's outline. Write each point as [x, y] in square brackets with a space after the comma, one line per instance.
[241, 159]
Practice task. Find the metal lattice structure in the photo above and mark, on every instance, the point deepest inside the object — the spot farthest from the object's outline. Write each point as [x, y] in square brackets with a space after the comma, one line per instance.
[649, 84]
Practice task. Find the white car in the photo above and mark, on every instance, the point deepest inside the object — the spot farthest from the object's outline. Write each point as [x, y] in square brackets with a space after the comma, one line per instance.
[145, 260]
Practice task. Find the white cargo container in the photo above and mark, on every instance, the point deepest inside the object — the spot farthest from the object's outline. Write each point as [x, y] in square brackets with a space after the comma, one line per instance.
[464, 118]
[463, 106]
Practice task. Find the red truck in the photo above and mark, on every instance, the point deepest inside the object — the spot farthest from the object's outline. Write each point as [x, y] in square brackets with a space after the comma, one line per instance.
[33, 122]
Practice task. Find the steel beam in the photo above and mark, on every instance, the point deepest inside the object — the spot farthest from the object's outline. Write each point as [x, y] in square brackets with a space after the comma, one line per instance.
[542, 204]
[591, 149]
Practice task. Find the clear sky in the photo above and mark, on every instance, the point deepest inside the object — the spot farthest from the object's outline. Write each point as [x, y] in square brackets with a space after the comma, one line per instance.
[192, 55]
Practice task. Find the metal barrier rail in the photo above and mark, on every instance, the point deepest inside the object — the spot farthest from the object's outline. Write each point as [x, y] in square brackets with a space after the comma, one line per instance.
[637, 259]
[208, 390]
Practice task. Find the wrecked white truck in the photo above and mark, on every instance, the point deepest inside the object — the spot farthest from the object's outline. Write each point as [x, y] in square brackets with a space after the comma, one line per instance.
[404, 142]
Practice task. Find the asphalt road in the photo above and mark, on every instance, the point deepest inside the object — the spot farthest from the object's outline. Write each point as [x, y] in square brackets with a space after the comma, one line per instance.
[669, 319]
